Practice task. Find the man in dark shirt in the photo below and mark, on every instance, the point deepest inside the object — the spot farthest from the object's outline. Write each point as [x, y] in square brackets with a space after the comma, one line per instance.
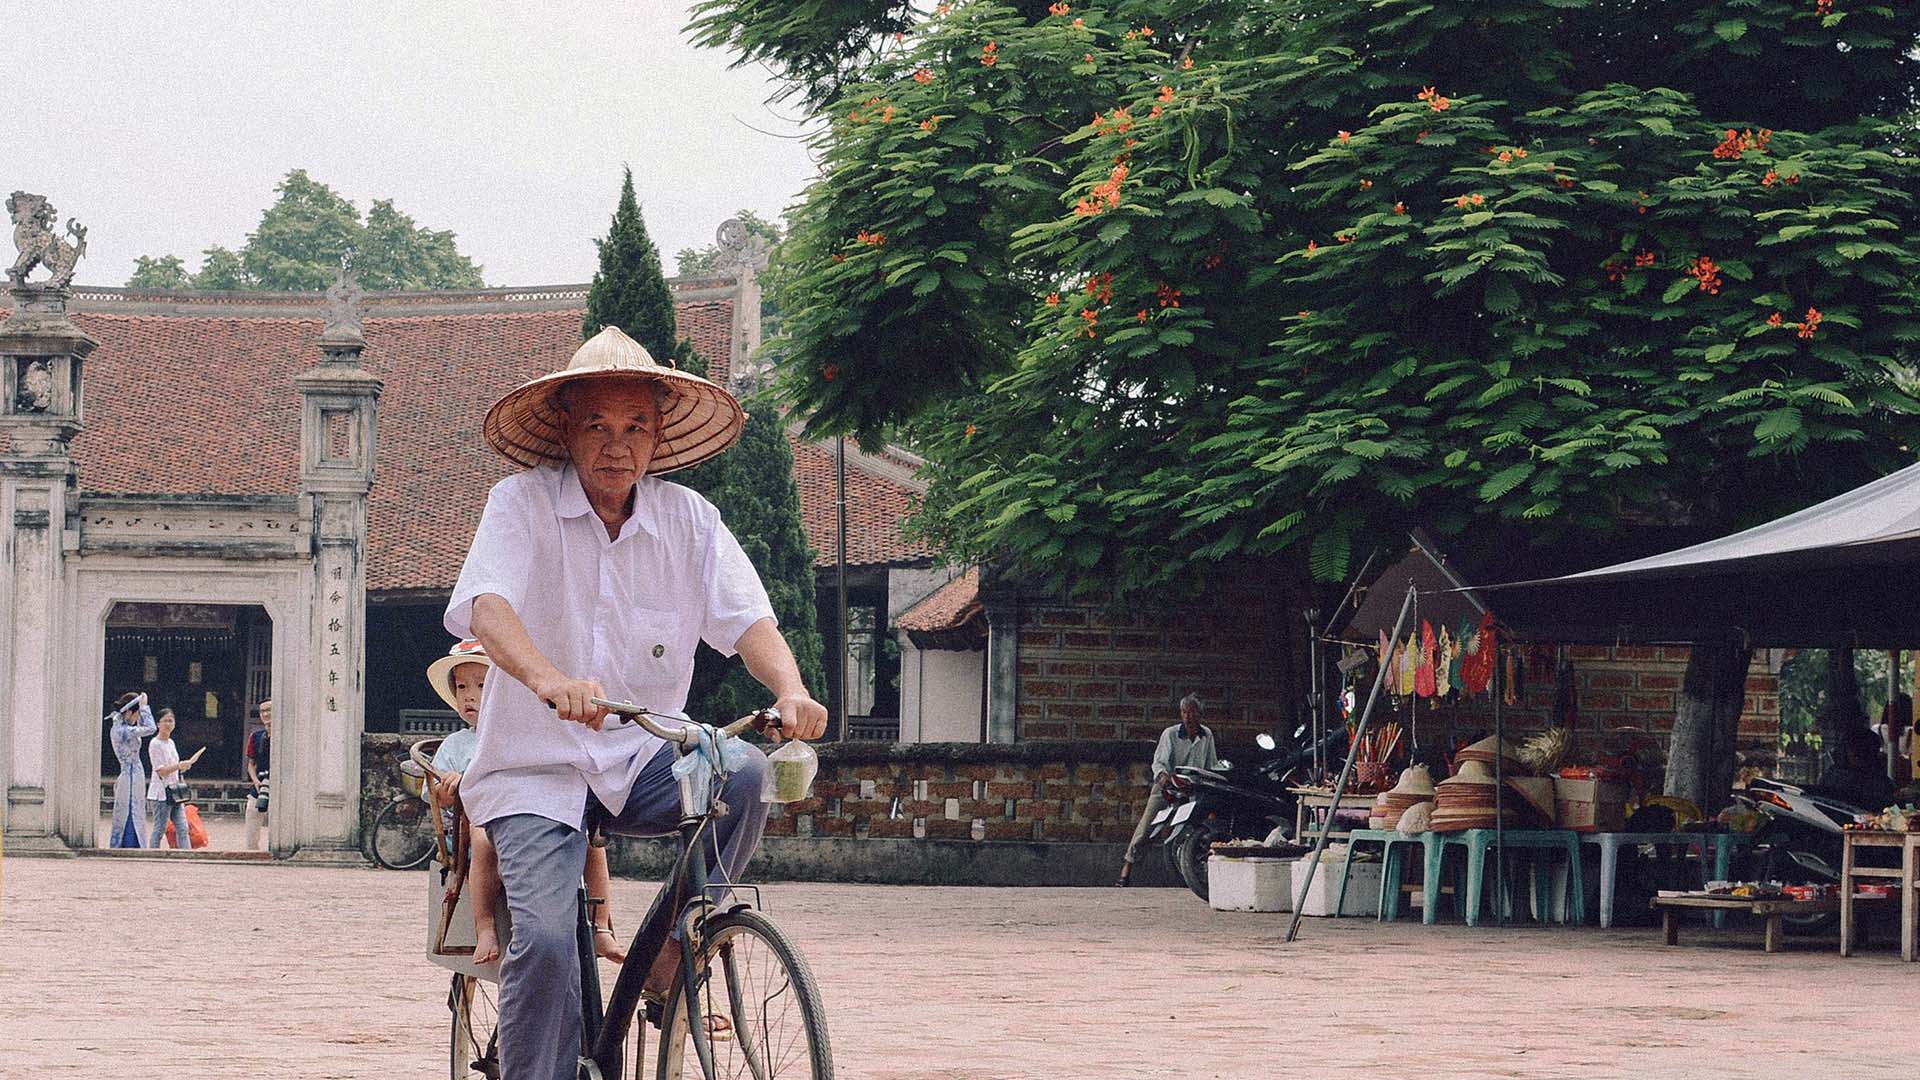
[259, 759]
[1859, 773]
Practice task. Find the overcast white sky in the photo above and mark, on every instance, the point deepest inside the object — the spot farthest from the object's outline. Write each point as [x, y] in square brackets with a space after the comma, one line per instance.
[163, 127]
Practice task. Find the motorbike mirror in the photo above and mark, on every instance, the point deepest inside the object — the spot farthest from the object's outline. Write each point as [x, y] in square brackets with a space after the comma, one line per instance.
[1225, 764]
[1264, 741]
[1299, 731]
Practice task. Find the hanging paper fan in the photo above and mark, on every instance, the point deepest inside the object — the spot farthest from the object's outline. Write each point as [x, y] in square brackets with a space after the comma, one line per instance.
[1443, 666]
[1423, 679]
[1477, 657]
[1409, 670]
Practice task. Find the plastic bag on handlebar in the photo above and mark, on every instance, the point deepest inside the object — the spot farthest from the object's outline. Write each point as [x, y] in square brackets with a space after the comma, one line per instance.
[790, 772]
[699, 767]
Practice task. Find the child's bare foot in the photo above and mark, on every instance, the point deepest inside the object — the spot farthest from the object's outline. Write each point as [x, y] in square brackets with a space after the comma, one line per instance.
[607, 946]
[486, 944]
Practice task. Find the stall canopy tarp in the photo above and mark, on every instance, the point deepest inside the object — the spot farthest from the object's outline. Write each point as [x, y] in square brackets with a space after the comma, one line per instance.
[1842, 572]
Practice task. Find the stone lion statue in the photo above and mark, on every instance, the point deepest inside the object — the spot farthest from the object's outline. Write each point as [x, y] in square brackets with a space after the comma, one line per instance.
[33, 220]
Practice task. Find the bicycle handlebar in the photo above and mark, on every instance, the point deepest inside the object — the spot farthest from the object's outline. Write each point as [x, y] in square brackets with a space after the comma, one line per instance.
[759, 720]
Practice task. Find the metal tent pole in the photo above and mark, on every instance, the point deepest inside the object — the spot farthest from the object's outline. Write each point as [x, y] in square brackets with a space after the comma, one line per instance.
[840, 647]
[1340, 785]
[1500, 787]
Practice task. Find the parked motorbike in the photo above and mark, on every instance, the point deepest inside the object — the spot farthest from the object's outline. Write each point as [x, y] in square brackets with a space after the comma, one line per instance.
[1801, 841]
[1228, 803]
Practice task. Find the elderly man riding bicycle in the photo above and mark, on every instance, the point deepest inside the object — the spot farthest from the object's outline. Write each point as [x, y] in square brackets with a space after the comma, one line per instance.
[588, 578]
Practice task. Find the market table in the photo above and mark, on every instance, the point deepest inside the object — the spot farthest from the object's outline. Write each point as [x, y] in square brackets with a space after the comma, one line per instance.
[1477, 841]
[1903, 877]
[1610, 844]
[1771, 910]
[1313, 798]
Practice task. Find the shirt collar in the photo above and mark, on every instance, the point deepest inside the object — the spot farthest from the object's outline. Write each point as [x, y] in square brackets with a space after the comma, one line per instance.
[572, 502]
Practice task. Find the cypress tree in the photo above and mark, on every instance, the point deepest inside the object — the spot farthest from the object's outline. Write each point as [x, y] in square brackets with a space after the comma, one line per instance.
[760, 501]
[752, 484]
[630, 288]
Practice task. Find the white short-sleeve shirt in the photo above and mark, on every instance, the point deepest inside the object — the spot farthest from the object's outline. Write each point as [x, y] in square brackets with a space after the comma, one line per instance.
[627, 612]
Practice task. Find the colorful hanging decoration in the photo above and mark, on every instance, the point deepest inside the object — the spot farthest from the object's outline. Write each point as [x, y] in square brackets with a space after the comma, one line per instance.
[1477, 657]
[1510, 693]
[1409, 668]
[1423, 678]
[1443, 666]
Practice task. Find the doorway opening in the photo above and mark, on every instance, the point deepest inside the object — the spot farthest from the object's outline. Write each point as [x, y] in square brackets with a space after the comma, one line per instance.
[211, 664]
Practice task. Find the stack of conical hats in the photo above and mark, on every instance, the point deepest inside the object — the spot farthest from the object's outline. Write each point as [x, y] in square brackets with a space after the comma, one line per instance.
[1466, 800]
[1415, 787]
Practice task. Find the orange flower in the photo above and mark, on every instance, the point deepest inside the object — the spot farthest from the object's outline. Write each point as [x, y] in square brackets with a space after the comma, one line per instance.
[839, 258]
[1811, 324]
[1088, 58]
[1365, 184]
[1479, 199]
[1153, 113]
[830, 372]
[990, 54]
[1506, 155]
[1707, 272]
[873, 238]
[1186, 64]
[1400, 208]
[1434, 99]
[1141, 315]
[1166, 93]
[1058, 9]
[922, 75]
[1347, 238]
[1422, 137]
[1519, 151]
[1792, 179]
[1644, 259]
[1100, 287]
[1769, 179]
[930, 123]
[1092, 319]
[1146, 31]
[1775, 320]
[1460, 203]
[970, 428]
[886, 115]
[1313, 248]
[1053, 299]
[1167, 295]
[1565, 181]
[1079, 24]
[1343, 136]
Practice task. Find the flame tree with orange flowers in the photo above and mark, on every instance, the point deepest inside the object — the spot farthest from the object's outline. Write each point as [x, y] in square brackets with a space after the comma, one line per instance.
[1157, 285]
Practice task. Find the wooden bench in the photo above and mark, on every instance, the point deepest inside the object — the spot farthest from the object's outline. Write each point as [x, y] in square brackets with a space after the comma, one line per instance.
[1902, 878]
[1771, 909]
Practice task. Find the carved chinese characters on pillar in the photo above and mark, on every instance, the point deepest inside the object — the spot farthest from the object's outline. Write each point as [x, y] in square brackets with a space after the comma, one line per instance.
[336, 624]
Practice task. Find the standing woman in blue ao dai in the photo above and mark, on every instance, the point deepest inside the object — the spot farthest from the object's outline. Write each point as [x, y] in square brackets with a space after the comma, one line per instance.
[130, 721]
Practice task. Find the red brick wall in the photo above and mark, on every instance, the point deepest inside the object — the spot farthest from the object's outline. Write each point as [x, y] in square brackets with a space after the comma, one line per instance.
[1030, 791]
[1090, 673]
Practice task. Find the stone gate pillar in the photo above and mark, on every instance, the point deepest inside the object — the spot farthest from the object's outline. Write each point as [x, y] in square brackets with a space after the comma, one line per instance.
[41, 353]
[337, 426]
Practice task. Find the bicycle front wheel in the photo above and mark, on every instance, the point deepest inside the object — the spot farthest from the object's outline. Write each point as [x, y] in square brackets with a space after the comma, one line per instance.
[402, 835]
[762, 1015]
[475, 1049]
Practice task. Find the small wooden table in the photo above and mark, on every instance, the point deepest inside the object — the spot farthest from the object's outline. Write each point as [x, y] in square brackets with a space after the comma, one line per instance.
[1769, 909]
[1902, 877]
[1312, 800]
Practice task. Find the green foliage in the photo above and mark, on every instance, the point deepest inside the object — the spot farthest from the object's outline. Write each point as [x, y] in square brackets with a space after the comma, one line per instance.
[164, 272]
[751, 485]
[299, 242]
[221, 268]
[395, 253]
[691, 262]
[1155, 288]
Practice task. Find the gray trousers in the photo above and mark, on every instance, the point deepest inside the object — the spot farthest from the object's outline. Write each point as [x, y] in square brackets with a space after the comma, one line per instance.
[1156, 802]
[541, 862]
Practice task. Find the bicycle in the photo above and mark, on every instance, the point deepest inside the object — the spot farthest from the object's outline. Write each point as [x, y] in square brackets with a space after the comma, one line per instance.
[402, 835]
[772, 1022]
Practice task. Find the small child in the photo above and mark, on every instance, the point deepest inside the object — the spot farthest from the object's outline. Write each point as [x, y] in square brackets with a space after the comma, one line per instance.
[458, 678]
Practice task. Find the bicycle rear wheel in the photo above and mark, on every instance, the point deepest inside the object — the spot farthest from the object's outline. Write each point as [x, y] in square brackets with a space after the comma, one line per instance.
[475, 1047]
[754, 978]
[402, 835]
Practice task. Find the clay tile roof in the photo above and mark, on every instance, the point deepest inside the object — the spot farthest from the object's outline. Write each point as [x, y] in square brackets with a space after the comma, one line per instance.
[948, 608]
[875, 507]
[194, 395]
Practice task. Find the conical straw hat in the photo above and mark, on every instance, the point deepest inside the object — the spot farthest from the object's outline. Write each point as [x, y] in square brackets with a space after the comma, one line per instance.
[1414, 780]
[698, 419]
[1471, 772]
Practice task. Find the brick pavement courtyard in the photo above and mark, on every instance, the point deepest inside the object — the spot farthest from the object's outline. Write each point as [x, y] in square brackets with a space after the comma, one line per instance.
[171, 968]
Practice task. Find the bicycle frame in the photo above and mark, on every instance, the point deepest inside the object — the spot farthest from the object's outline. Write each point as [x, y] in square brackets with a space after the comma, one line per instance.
[681, 895]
